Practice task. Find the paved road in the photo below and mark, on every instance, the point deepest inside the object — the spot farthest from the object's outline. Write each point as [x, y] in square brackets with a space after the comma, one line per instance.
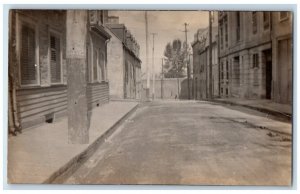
[191, 143]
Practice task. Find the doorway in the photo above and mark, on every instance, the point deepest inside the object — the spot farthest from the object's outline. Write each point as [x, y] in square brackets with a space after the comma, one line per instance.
[268, 63]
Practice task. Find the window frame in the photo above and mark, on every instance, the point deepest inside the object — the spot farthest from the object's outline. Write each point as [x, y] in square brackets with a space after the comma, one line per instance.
[57, 34]
[267, 23]
[254, 15]
[255, 61]
[20, 21]
[238, 26]
[284, 18]
[95, 54]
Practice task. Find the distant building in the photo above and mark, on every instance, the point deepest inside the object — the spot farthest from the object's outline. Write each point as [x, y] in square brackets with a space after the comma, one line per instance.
[256, 55]
[124, 70]
[200, 47]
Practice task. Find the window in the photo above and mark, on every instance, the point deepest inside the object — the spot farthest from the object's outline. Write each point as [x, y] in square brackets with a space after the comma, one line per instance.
[283, 15]
[238, 26]
[254, 22]
[55, 59]
[222, 73]
[266, 16]
[227, 71]
[255, 60]
[102, 66]
[28, 56]
[221, 37]
[226, 31]
[126, 72]
[95, 64]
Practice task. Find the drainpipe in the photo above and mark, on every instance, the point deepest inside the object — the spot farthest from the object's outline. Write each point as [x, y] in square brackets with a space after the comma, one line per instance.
[14, 119]
[106, 68]
[17, 126]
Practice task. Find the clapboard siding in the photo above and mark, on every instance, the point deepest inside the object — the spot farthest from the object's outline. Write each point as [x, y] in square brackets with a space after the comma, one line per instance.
[35, 103]
[97, 94]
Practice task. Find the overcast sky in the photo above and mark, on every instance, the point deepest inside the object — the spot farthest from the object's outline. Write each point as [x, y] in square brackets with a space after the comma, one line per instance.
[168, 25]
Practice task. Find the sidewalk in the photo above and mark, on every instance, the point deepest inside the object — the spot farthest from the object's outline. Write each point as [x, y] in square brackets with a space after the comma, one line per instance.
[262, 105]
[40, 154]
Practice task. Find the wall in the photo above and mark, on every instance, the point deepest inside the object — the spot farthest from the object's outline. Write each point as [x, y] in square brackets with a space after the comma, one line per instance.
[39, 103]
[46, 102]
[244, 80]
[115, 67]
[282, 53]
[170, 88]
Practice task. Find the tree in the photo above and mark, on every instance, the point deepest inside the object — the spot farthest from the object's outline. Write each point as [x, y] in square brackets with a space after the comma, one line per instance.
[175, 54]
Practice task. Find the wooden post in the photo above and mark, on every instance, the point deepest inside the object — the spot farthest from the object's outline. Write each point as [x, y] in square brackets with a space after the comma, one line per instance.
[76, 77]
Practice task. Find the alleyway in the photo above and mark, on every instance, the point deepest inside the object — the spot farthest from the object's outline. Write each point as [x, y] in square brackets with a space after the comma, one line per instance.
[191, 143]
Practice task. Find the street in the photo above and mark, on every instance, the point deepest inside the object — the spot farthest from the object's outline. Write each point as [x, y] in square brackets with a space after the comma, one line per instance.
[191, 143]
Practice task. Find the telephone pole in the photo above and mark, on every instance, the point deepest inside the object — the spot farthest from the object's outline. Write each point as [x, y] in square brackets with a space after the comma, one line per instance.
[210, 57]
[153, 74]
[147, 58]
[186, 55]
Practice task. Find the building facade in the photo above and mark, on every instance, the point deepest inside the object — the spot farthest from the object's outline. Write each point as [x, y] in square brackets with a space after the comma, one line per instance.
[255, 53]
[37, 65]
[124, 69]
[282, 57]
[201, 63]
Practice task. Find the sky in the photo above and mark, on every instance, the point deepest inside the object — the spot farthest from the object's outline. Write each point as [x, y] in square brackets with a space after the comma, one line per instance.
[168, 25]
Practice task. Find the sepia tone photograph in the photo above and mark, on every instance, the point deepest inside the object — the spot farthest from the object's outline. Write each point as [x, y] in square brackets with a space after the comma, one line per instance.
[150, 97]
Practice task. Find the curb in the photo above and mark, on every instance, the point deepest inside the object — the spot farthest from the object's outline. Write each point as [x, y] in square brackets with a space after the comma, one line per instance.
[285, 116]
[67, 169]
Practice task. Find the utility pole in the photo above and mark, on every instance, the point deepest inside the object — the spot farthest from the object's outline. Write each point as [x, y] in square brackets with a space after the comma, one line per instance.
[153, 74]
[186, 56]
[147, 58]
[162, 79]
[210, 57]
[78, 132]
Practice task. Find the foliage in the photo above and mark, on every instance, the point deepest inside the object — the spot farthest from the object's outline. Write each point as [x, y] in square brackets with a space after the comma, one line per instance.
[175, 54]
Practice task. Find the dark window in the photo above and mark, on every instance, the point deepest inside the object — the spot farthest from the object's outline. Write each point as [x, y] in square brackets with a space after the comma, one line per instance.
[226, 31]
[266, 16]
[28, 56]
[55, 62]
[227, 71]
[221, 37]
[238, 26]
[255, 60]
[254, 22]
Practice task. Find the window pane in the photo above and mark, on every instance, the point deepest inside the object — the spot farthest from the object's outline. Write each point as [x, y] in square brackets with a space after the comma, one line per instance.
[55, 59]
[27, 60]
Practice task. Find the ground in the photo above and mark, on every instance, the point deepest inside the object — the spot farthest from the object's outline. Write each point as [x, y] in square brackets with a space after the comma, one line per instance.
[191, 143]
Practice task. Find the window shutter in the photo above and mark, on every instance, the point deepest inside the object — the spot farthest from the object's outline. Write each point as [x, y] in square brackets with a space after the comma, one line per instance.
[101, 58]
[28, 63]
[95, 65]
[55, 59]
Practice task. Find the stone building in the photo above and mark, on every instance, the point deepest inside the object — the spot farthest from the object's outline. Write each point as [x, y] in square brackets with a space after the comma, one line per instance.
[124, 70]
[255, 55]
[38, 70]
[200, 47]
[282, 57]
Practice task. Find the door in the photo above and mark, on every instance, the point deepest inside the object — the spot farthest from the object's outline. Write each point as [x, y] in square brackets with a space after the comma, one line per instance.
[268, 62]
